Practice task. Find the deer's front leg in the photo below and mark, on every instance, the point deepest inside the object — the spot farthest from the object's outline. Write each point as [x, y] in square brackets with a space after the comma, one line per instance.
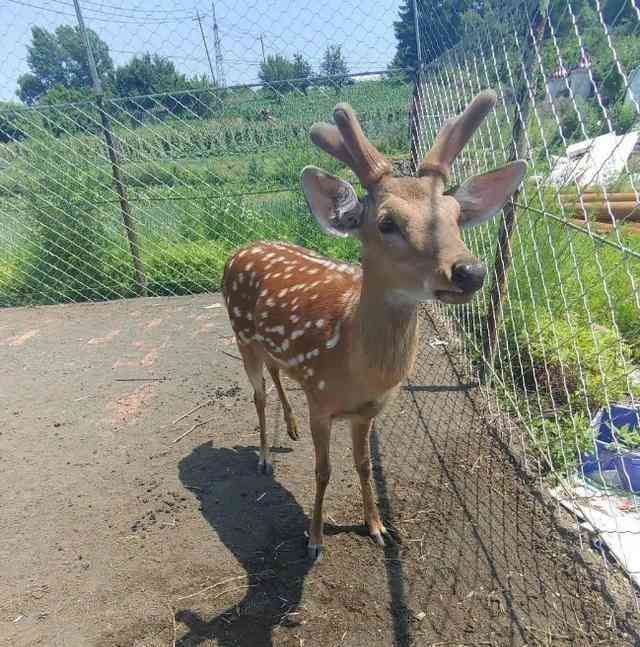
[361, 443]
[321, 434]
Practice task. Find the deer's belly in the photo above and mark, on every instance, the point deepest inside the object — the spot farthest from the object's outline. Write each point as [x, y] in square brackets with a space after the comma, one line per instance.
[366, 408]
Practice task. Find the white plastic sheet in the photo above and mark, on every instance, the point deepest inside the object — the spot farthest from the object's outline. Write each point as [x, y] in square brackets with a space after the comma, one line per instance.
[593, 161]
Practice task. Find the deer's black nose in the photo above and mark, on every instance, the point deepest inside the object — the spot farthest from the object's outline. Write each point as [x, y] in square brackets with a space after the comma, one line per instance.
[468, 276]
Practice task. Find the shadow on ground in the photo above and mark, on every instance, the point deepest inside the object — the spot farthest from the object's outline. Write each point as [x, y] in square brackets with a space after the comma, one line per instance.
[264, 533]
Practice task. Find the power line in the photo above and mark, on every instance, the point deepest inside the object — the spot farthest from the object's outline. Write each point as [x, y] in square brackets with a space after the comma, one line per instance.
[126, 15]
[132, 9]
[114, 20]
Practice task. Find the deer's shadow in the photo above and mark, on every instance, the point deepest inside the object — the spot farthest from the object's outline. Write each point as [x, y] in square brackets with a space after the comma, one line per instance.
[263, 525]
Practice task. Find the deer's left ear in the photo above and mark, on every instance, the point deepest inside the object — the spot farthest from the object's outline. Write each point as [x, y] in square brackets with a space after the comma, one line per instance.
[332, 201]
[482, 196]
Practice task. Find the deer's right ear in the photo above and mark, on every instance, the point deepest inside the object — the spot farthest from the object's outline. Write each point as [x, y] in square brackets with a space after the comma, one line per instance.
[332, 201]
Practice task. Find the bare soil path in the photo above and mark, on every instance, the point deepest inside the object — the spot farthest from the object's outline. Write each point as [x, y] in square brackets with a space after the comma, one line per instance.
[113, 535]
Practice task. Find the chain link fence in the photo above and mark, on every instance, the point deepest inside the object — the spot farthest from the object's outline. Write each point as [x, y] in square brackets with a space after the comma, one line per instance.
[147, 192]
[555, 332]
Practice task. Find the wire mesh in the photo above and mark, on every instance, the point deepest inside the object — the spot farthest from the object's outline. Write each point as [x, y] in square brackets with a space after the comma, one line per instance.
[555, 332]
[214, 161]
[206, 158]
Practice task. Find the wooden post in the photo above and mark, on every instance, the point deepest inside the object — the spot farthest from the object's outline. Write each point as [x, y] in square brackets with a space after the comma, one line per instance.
[503, 249]
[112, 151]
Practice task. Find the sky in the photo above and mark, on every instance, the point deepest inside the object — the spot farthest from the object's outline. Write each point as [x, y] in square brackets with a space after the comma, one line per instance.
[364, 29]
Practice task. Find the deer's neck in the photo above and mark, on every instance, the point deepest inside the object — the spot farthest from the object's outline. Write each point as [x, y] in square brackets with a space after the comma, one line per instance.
[386, 329]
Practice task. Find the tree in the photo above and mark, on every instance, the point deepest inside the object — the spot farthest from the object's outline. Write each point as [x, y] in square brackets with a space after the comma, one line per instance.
[157, 75]
[12, 122]
[280, 73]
[335, 67]
[441, 26]
[148, 74]
[302, 72]
[71, 111]
[59, 58]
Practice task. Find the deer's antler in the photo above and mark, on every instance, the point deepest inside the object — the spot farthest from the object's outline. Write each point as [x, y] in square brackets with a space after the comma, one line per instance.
[455, 134]
[347, 142]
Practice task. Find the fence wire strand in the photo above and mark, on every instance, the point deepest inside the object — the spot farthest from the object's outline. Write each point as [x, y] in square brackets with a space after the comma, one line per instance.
[213, 160]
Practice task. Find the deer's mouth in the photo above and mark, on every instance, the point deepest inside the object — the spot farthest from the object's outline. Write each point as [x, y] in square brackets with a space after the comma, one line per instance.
[454, 296]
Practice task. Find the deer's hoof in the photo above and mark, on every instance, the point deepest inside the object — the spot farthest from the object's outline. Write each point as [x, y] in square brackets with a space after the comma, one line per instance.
[292, 429]
[265, 467]
[382, 536]
[315, 552]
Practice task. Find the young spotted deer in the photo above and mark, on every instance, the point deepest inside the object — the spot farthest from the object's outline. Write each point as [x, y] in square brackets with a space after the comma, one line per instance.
[347, 333]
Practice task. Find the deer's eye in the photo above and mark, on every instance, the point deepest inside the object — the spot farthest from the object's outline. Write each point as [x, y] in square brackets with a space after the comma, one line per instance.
[387, 226]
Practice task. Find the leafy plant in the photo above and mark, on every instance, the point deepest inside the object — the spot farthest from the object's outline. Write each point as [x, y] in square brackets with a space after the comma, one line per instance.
[628, 435]
[561, 441]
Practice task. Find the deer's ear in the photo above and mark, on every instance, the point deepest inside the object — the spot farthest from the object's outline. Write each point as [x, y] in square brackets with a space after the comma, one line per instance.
[482, 196]
[332, 201]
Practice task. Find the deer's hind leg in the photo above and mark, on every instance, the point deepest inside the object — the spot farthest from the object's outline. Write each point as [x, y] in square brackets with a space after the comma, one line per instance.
[253, 365]
[289, 416]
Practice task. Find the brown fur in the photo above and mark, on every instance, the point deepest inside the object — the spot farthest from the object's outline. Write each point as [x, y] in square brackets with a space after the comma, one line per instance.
[347, 333]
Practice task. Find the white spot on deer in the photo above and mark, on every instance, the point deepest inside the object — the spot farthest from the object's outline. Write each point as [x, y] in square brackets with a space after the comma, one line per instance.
[249, 316]
[241, 253]
[287, 276]
[237, 312]
[278, 329]
[270, 302]
[269, 255]
[252, 278]
[264, 315]
[282, 292]
[285, 344]
[298, 286]
[248, 266]
[294, 318]
[314, 353]
[333, 342]
[321, 385]
[313, 270]
[296, 333]
[275, 276]
[234, 286]
[315, 284]
[313, 297]
[268, 275]
[259, 338]
[231, 262]
[242, 337]
[240, 277]
[300, 358]
[264, 293]
[320, 323]
[308, 372]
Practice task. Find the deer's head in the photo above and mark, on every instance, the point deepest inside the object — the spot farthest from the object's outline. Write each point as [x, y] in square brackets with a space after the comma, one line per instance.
[409, 228]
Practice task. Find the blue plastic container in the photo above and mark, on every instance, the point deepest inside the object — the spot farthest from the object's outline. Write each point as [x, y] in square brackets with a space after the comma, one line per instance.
[628, 467]
[610, 455]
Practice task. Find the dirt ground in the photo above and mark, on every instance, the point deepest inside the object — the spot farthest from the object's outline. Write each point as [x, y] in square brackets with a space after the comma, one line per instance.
[112, 534]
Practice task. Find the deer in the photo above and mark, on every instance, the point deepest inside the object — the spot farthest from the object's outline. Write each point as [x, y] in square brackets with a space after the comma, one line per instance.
[348, 333]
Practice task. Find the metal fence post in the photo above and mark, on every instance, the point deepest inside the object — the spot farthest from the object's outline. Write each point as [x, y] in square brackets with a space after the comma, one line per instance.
[112, 150]
[416, 106]
[503, 249]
